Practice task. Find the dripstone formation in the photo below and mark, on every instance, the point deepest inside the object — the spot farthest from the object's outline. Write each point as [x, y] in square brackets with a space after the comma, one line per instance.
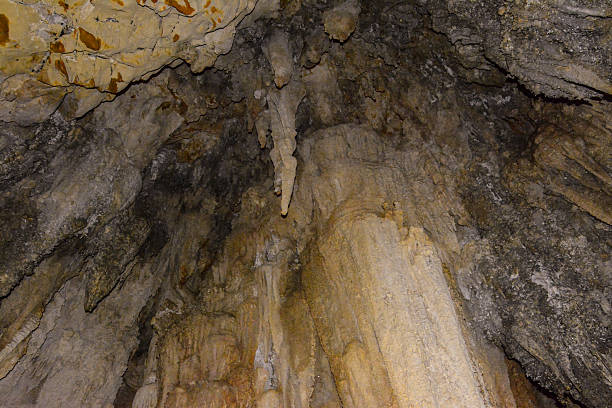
[305, 203]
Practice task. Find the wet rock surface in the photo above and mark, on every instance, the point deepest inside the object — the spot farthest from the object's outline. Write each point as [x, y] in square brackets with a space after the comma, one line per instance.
[356, 204]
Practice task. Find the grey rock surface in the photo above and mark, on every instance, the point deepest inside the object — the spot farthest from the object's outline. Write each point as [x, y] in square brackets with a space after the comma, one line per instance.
[142, 243]
[560, 49]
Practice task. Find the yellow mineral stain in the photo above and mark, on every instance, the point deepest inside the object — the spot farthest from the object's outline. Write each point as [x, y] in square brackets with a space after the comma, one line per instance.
[61, 67]
[4, 29]
[183, 9]
[43, 76]
[175, 38]
[57, 47]
[90, 83]
[113, 83]
[91, 41]
[119, 2]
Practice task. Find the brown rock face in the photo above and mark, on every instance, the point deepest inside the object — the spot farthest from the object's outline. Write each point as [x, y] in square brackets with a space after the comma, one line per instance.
[341, 21]
[305, 204]
[4, 29]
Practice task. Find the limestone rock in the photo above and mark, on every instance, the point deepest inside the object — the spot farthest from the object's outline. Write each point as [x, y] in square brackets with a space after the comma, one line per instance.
[262, 126]
[15, 349]
[278, 52]
[588, 180]
[348, 307]
[67, 339]
[53, 48]
[146, 396]
[559, 175]
[340, 21]
[135, 139]
[282, 105]
[315, 45]
[553, 64]
[115, 248]
[322, 87]
[26, 100]
[449, 235]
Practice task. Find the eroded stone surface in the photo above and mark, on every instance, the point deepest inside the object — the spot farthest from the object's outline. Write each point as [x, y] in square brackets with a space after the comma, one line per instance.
[144, 261]
[340, 22]
[67, 339]
[557, 48]
[50, 49]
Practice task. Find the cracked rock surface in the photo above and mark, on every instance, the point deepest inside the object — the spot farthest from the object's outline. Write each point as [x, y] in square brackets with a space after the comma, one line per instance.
[78, 54]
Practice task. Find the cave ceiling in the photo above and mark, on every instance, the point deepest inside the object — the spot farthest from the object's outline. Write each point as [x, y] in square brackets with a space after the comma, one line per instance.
[305, 203]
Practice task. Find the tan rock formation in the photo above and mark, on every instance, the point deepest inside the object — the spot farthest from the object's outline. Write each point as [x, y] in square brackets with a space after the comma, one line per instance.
[51, 49]
[406, 315]
[322, 87]
[374, 287]
[279, 54]
[282, 106]
[79, 339]
[440, 243]
[577, 150]
[340, 22]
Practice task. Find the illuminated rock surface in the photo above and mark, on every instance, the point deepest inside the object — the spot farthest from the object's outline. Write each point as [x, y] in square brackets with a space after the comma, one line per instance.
[305, 204]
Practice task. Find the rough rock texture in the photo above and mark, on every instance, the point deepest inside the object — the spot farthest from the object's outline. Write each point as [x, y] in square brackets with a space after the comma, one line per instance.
[68, 339]
[555, 271]
[279, 54]
[445, 181]
[283, 105]
[91, 50]
[340, 21]
[557, 48]
[389, 324]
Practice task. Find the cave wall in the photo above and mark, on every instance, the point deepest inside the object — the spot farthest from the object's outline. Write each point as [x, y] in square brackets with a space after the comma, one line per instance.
[442, 231]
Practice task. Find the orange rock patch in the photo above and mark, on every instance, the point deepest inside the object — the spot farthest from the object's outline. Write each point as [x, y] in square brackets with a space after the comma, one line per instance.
[57, 47]
[183, 9]
[61, 67]
[112, 86]
[91, 41]
[4, 29]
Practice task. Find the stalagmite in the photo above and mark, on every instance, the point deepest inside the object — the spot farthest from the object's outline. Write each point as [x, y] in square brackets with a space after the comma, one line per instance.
[146, 396]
